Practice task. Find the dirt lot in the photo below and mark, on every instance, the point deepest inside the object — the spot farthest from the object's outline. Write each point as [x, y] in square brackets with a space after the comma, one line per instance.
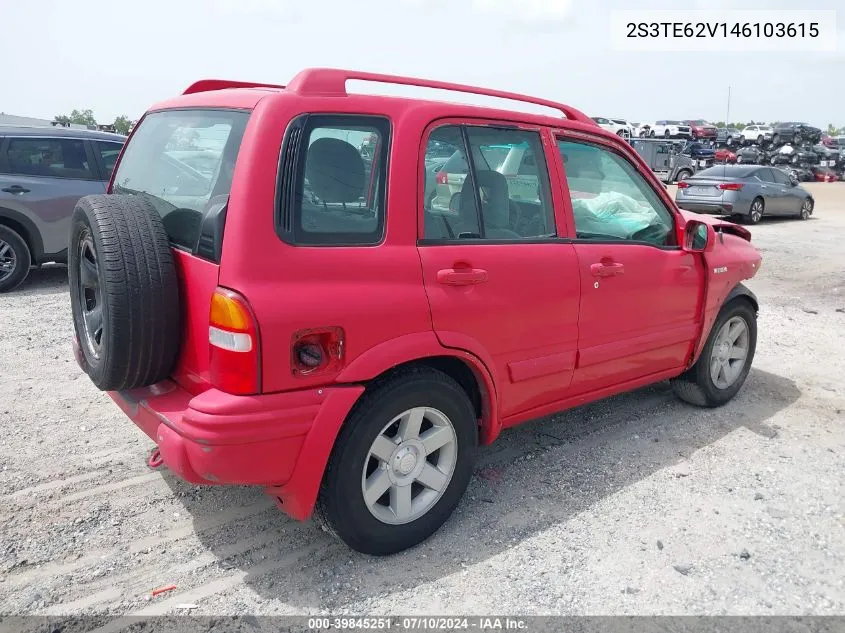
[636, 505]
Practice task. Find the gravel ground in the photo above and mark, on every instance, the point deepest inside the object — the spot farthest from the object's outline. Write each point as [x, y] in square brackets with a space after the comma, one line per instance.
[635, 505]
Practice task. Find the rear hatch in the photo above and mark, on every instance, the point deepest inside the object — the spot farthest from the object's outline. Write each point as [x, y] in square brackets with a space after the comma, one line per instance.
[182, 161]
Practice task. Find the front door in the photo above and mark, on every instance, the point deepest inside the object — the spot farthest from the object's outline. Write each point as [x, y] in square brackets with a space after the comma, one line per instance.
[640, 293]
[500, 283]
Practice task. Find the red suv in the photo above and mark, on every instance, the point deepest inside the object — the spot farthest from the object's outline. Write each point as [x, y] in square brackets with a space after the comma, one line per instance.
[270, 295]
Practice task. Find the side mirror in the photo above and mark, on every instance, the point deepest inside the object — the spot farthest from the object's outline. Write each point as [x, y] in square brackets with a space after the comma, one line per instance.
[698, 236]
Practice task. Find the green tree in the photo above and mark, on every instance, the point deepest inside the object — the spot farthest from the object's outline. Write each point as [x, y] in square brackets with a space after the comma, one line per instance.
[832, 130]
[79, 117]
[122, 124]
[83, 117]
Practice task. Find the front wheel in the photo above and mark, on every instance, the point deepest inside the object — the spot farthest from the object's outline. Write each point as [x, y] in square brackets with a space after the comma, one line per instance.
[725, 361]
[806, 209]
[400, 464]
[683, 175]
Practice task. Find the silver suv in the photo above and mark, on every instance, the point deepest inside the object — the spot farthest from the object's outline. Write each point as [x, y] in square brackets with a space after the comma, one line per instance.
[43, 172]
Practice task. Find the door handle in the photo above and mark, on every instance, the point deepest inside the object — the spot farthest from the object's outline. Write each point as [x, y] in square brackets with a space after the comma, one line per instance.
[462, 276]
[607, 270]
[15, 189]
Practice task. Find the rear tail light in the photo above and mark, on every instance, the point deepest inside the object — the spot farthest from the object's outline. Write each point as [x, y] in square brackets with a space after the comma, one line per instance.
[442, 178]
[234, 344]
[730, 186]
[683, 185]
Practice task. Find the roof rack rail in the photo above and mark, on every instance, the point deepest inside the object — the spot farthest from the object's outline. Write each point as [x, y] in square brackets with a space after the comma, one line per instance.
[332, 82]
[208, 85]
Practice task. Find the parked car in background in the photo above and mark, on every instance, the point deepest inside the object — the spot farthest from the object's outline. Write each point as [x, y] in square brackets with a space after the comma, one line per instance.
[725, 155]
[746, 192]
[262, 364]
[751, 154]
[670, 129]
[728, 136]
[627, 125]
[824, 174]
[618, 127]
[795, 133]
[641, 130]
[702, 130]
[699, 150]
[758, 134]
[828, 156]
[43, 172]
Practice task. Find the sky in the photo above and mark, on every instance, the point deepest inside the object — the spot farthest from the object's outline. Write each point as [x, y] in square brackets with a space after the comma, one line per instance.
[119, 57]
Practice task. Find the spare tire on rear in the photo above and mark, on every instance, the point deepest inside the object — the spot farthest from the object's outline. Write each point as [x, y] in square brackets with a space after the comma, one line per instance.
[124, 292]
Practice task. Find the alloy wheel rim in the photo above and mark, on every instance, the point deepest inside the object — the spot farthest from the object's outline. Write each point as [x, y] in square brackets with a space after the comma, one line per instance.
[730, 352]
[8, 260]
[756, 211]
[90, 294]
[805, 209]
[409, 465]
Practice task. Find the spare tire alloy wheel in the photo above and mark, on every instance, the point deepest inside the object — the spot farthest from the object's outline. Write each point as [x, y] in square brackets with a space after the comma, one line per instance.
[123, 291]
[90, 295]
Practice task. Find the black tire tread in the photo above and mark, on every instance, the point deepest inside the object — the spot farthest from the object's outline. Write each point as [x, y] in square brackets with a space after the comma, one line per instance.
[139, 286]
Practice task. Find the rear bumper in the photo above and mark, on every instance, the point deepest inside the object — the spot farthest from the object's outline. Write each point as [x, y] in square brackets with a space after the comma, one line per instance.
[717, 207]
[279, 441]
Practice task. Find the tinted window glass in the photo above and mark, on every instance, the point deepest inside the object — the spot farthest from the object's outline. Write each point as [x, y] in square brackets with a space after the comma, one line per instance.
[108, 154]
[512, 183]
[340, 181]
[158, 165]
[444, 215]
[610, 199]
[51, 157]
[780, 177]
[765, 175]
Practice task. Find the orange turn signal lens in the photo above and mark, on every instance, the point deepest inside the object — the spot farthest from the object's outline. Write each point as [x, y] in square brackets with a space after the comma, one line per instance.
[229, 313]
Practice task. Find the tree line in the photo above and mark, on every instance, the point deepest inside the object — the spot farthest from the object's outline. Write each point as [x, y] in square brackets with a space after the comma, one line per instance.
[122, 124]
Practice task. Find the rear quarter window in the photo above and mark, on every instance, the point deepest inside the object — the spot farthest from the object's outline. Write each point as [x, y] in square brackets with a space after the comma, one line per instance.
[332, 180]
[182, 161]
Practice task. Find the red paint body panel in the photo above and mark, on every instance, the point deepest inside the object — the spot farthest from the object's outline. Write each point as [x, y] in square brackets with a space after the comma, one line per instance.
[537, 333]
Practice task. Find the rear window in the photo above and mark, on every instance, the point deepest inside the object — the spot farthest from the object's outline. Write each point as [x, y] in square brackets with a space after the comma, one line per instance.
[182, 161]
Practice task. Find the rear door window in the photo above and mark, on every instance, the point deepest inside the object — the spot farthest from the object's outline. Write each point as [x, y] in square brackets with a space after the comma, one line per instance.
[48, 157]
[182, 161]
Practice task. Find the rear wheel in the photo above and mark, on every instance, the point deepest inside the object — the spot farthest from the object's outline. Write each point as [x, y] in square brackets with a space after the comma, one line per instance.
[755, 212]
[666, 134]
[400, 464]
[796, 139]
[760, 139]
[15, 259]
[684, 174]
[725, 361]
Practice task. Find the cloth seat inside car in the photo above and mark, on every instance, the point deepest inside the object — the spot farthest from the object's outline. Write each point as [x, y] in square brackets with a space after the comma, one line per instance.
[495, 206]
[337, 175]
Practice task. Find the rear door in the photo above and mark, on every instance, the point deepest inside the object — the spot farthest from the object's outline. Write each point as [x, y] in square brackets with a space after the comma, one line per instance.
[44, 178]
[640, 293]
[499, 281]
[790, 197]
